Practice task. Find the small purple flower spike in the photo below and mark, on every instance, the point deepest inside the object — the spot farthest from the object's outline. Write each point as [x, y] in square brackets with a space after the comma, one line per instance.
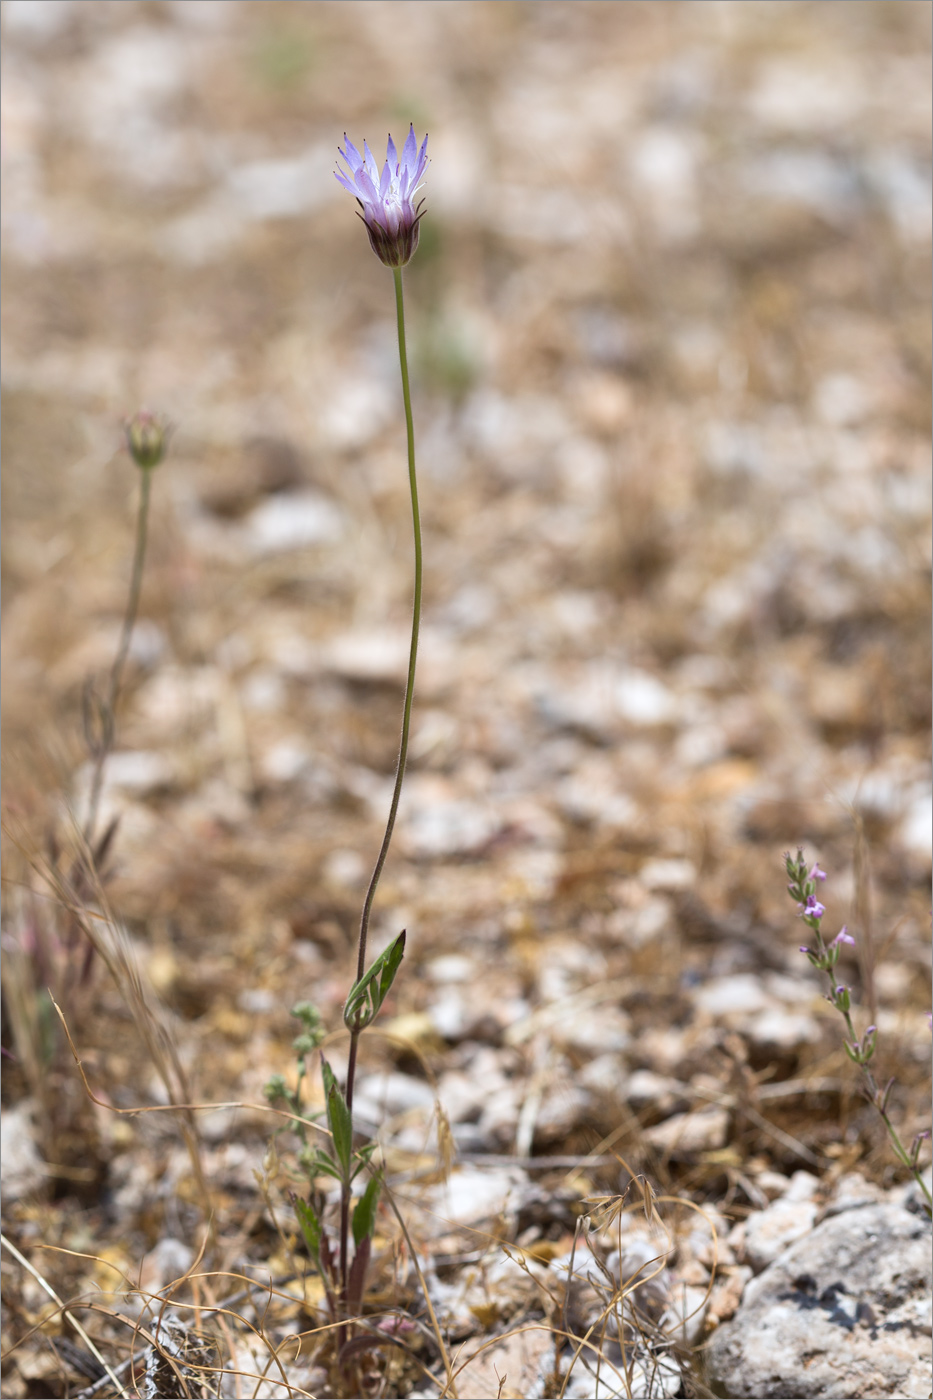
[387, 198]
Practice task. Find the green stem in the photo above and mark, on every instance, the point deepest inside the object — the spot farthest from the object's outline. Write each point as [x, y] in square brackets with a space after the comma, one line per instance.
[116, 674]
[403, 746]
[875, 1097]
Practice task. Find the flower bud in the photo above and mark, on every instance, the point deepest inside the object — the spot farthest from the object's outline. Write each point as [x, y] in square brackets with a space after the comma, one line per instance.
[147, 437]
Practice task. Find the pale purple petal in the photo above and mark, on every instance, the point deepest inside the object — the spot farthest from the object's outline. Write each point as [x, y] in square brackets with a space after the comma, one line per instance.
[352, 157]
[385, 182]
[371, 165]
[410, 149]
[346, 183]
[392, 155]
[369, 193]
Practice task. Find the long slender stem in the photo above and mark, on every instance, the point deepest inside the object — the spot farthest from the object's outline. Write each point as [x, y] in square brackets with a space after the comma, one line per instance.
[403, 746]
[116, 674]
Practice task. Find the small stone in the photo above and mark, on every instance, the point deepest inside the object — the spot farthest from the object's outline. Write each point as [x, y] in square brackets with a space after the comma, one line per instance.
[726, 1294]
[140, 773]
[778, 1029]
[369, 658]
[285, 761]
[667, 874]
[738, 993]
[381, 1096]
[473, 1195]
[769, 1232]
[20, 1163]
[691, 1132]
[594, 1029]
[293, 520]
[451, 827]
[644, 1088]
[451, 967]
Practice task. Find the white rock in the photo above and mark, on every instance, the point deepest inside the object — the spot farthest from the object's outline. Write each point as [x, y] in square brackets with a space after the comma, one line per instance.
[293, 520]
[29, 20]
[390, 1093]
[284, 761]
[597, 1028]
[843, 1312]
[451, 967]
[768, 1232]
[739, 992]
[915, 831]
[645, 1088]
[376, 656]
[667, 874]
[641, 698]
[264, 691]
[139, 773]
[841, 400]
[20, 1163]
[449, 1014]
[779, 1029]
[356, 411]
[473, 1195]
[344, 867]
[691, 1132]
[449, 827]
[604, 1075]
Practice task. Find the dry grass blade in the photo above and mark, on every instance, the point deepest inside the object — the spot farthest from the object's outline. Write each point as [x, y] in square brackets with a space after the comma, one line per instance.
[47, 1287]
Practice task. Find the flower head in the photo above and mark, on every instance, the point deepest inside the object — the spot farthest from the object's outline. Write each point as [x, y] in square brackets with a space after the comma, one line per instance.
[843, 936]
[147, 437]
[387, 197]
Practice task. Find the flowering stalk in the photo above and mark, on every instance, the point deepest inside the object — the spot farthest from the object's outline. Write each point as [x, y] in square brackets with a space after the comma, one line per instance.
[804, 880]
[387, 204]
[146, 441]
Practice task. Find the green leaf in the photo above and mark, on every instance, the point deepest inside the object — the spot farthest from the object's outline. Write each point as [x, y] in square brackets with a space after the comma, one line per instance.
[338, 1120]
[318, 1163]
[368, 994]
[364, 1214]
[310, 1228]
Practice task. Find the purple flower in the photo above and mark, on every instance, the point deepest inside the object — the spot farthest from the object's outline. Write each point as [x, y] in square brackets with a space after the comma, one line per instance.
[813, 909]
[387, 198]
[816, 873]
[843, 936]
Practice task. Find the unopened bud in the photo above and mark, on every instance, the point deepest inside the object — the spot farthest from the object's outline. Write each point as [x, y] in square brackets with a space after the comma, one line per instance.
[147, 437]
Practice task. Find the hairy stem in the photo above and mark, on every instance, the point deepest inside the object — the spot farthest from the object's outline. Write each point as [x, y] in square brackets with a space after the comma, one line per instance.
[116, 674]
[403, 745]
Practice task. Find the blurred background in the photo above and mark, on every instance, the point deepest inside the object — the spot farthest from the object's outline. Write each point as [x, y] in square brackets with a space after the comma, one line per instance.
[670, 331]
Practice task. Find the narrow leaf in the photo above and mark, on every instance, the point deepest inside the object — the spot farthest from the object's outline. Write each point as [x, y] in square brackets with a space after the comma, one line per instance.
[338, 1119]
[368, 994]
[310, 1228]
[364, 1214]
